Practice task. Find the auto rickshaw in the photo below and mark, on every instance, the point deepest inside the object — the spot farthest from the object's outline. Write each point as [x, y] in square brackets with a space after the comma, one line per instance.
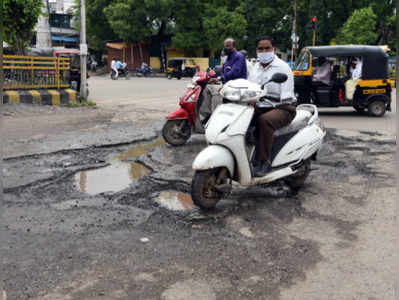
[372, 90]
[176, 70]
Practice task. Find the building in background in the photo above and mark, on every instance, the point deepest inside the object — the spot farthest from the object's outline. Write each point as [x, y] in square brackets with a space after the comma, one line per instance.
[57, 30]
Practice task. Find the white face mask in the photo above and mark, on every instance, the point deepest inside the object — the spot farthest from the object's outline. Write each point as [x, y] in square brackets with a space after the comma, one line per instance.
[223, 59]
[265, 57]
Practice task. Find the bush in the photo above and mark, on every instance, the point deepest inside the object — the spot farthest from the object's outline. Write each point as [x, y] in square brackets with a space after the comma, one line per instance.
[392, 73]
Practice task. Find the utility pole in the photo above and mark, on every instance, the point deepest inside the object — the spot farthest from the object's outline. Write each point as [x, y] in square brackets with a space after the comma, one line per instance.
[314, 26]
[294, 36]
[83, 51]
[1, 80]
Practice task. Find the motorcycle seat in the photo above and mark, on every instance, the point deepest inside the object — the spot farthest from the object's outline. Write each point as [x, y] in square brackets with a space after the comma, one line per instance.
[300, 121]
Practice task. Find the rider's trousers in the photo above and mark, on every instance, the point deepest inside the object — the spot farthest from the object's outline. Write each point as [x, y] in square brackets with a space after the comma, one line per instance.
[268, 121]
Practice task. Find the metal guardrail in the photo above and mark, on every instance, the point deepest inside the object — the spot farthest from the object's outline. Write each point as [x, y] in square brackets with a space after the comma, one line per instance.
[34, 72]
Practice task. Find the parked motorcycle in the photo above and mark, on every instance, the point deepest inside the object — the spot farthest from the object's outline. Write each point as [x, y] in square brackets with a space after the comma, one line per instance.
[145, 72]
[230, 155]
[121, 73]
[181, 122]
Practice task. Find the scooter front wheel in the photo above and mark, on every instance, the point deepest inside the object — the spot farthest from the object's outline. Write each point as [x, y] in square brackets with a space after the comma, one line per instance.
[176, 132]
[206, 187]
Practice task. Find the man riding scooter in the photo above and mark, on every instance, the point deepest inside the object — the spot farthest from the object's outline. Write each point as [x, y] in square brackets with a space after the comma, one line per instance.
[269, 119]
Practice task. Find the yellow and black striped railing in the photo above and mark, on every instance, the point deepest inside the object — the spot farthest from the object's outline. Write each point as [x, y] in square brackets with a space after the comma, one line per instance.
[31, 72]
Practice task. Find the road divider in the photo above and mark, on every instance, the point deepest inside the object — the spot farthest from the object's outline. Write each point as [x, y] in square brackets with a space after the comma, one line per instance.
[43, 97]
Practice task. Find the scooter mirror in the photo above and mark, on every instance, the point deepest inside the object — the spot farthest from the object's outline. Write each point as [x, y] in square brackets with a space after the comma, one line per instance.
[279, 77]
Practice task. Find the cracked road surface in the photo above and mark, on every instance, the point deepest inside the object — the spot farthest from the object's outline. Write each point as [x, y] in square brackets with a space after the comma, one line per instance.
[104, 212]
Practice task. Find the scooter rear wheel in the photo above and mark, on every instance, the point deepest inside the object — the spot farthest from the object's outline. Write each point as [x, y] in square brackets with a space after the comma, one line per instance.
[296, 181]
[176, 132]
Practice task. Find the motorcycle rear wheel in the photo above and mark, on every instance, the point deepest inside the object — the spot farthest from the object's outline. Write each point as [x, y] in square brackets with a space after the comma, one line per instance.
[203, 187]
[176, 132]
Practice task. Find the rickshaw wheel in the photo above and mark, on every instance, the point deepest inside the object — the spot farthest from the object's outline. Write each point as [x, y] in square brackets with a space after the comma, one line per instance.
[377, 108]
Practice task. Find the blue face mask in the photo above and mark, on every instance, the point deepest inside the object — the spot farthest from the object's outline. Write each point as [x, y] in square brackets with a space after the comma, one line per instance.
[265, 57]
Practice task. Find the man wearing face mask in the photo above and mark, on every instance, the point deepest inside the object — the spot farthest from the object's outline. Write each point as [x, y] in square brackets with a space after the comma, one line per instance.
[234, 67]
[268, 118]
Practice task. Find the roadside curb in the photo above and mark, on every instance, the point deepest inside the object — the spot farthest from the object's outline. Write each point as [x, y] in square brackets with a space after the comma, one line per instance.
[43, 97]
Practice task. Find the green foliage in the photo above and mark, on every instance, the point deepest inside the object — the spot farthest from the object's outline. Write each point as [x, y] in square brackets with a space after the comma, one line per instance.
[128, 19]
[188, 33]
[392, 73]
[82, 102]
[196, 24]
[98, 28]
[20, 18]
[269, 18]
[136, 20]
[220, 23]
[360, 28]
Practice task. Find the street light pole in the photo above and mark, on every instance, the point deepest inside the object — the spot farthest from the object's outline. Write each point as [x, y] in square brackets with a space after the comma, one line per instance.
[294, 37]
[83, 51]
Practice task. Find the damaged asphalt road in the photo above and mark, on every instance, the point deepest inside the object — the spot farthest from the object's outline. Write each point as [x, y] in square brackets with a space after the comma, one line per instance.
[117, 222]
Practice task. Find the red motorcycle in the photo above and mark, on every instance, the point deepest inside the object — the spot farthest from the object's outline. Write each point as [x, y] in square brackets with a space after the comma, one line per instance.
[186, 119]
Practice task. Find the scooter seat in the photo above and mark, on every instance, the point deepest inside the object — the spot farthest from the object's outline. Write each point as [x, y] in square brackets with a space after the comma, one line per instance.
[300, 121]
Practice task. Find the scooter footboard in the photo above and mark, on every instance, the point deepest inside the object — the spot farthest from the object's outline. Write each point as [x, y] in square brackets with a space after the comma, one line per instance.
[214, 156]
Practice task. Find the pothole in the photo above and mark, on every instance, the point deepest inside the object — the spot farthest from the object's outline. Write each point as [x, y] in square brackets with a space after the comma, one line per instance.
[174, 200]
[136, 151]
[114, 178]
[119, 175]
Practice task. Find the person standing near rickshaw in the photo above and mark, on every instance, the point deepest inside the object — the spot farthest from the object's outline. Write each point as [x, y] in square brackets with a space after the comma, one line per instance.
[356, 74]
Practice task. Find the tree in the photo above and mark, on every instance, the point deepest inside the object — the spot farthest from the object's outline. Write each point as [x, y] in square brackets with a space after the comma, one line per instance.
[98, 28]
[20, 18]
[129, 19]
[268, 18]
[222, 22]
[137, 20]
[189, 29]
[359, 28]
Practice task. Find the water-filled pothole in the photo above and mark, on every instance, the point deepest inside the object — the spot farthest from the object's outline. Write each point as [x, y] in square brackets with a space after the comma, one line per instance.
[119, 175]
[113, 178]
[173, 200]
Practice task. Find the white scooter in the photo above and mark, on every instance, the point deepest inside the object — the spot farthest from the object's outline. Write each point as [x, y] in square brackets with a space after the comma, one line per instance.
[231, 144]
